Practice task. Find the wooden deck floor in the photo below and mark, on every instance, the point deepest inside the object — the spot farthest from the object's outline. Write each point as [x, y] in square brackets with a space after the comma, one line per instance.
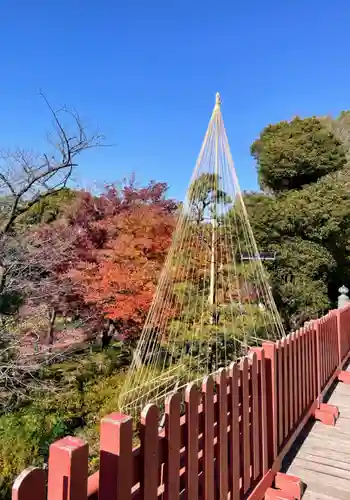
[321, 457]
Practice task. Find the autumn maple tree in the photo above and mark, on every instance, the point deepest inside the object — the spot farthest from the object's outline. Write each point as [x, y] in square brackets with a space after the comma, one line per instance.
[128, 232]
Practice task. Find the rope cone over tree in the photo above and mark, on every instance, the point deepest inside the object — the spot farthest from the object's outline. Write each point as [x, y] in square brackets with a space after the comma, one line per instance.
[213, 300]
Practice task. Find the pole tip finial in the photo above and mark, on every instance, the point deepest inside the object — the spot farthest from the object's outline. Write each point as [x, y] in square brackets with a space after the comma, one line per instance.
[217, 99]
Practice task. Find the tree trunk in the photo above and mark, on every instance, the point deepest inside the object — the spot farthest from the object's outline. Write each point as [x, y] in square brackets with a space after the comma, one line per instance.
[52, 320]
[107, 334]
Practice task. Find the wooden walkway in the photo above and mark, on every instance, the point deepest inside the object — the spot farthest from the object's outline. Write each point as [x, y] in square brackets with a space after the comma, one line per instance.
[321, 456]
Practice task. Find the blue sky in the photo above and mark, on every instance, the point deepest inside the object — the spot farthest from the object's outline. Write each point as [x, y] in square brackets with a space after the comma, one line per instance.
[146, 71]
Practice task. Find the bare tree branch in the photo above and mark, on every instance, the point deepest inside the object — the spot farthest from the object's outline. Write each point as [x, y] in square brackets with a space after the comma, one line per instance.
[27, 270]
[33, 179]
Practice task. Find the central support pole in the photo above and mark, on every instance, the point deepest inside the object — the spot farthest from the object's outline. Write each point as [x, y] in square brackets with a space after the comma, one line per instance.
[212, 291]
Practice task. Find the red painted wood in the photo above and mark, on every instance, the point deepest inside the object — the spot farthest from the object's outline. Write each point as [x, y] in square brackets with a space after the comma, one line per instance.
[328, 327]
[318, 356]
[30, 484]
[308, 361]
[271, 398]
[291, 381]
[345, 320]
[68, 469]
[340, 338]
[309, 337]
[286, 387]
[258, 493]
[304, 358]
[173, 438]
[245, 425]
[115, 480]
[222, 468]
[311, 375]
[332, 343]
[299, 371]
[234, 422]
[208, 406]
[256, 434]
[289, 484]
[192, 399]
[272, 494]
[285, 399]
[335, 342]
[313, 363]
[325, 417]
[311, 357]
[331, 346]
[330, 409]
[295, 379]
[323, 354]
[279, 381]
[264, 421]
[328, 350]
[149, 449]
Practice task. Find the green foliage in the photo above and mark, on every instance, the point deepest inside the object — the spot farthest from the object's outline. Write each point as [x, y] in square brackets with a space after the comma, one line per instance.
[304, 216]
[300, 277]
[316, 216]
[24, 440]
[48, 209]
[292, 154]
[205, 195]
[79, 392]
[340, 127]
[308, 223]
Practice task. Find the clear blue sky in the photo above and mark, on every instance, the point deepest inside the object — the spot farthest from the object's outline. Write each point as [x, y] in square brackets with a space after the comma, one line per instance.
[146, 72]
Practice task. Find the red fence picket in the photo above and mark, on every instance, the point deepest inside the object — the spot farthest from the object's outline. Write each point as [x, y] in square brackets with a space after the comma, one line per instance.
[229, 439]
[328, 348]
[294, 395]
[343, 320]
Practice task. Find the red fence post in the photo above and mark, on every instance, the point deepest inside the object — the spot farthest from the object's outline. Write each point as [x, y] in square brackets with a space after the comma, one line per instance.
[340, 337]
[271, 397]
[173, 440]
[255, 420]
[316, 325]
[68, 469]
[246, 429]
[31, 483]
[149, 452]
[222, 454]
[235, 448]
[343, 318]
[192, 399]
[115, 480]
[208, 448]
[263, 408]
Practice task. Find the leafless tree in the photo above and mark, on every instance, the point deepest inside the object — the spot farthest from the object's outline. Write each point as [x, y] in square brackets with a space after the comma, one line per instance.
[25, 181]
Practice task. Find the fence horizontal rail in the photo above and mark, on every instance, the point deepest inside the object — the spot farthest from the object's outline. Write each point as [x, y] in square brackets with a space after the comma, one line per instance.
[229, 439]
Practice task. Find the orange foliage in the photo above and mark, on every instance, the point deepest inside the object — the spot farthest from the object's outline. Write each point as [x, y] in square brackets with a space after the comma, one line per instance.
[121, 278]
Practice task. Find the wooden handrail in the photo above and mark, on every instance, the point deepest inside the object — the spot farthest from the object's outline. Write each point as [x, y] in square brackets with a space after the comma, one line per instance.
[232, 441]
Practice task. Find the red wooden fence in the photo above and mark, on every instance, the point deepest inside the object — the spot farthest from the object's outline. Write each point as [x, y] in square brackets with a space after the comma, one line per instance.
[229, 443]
